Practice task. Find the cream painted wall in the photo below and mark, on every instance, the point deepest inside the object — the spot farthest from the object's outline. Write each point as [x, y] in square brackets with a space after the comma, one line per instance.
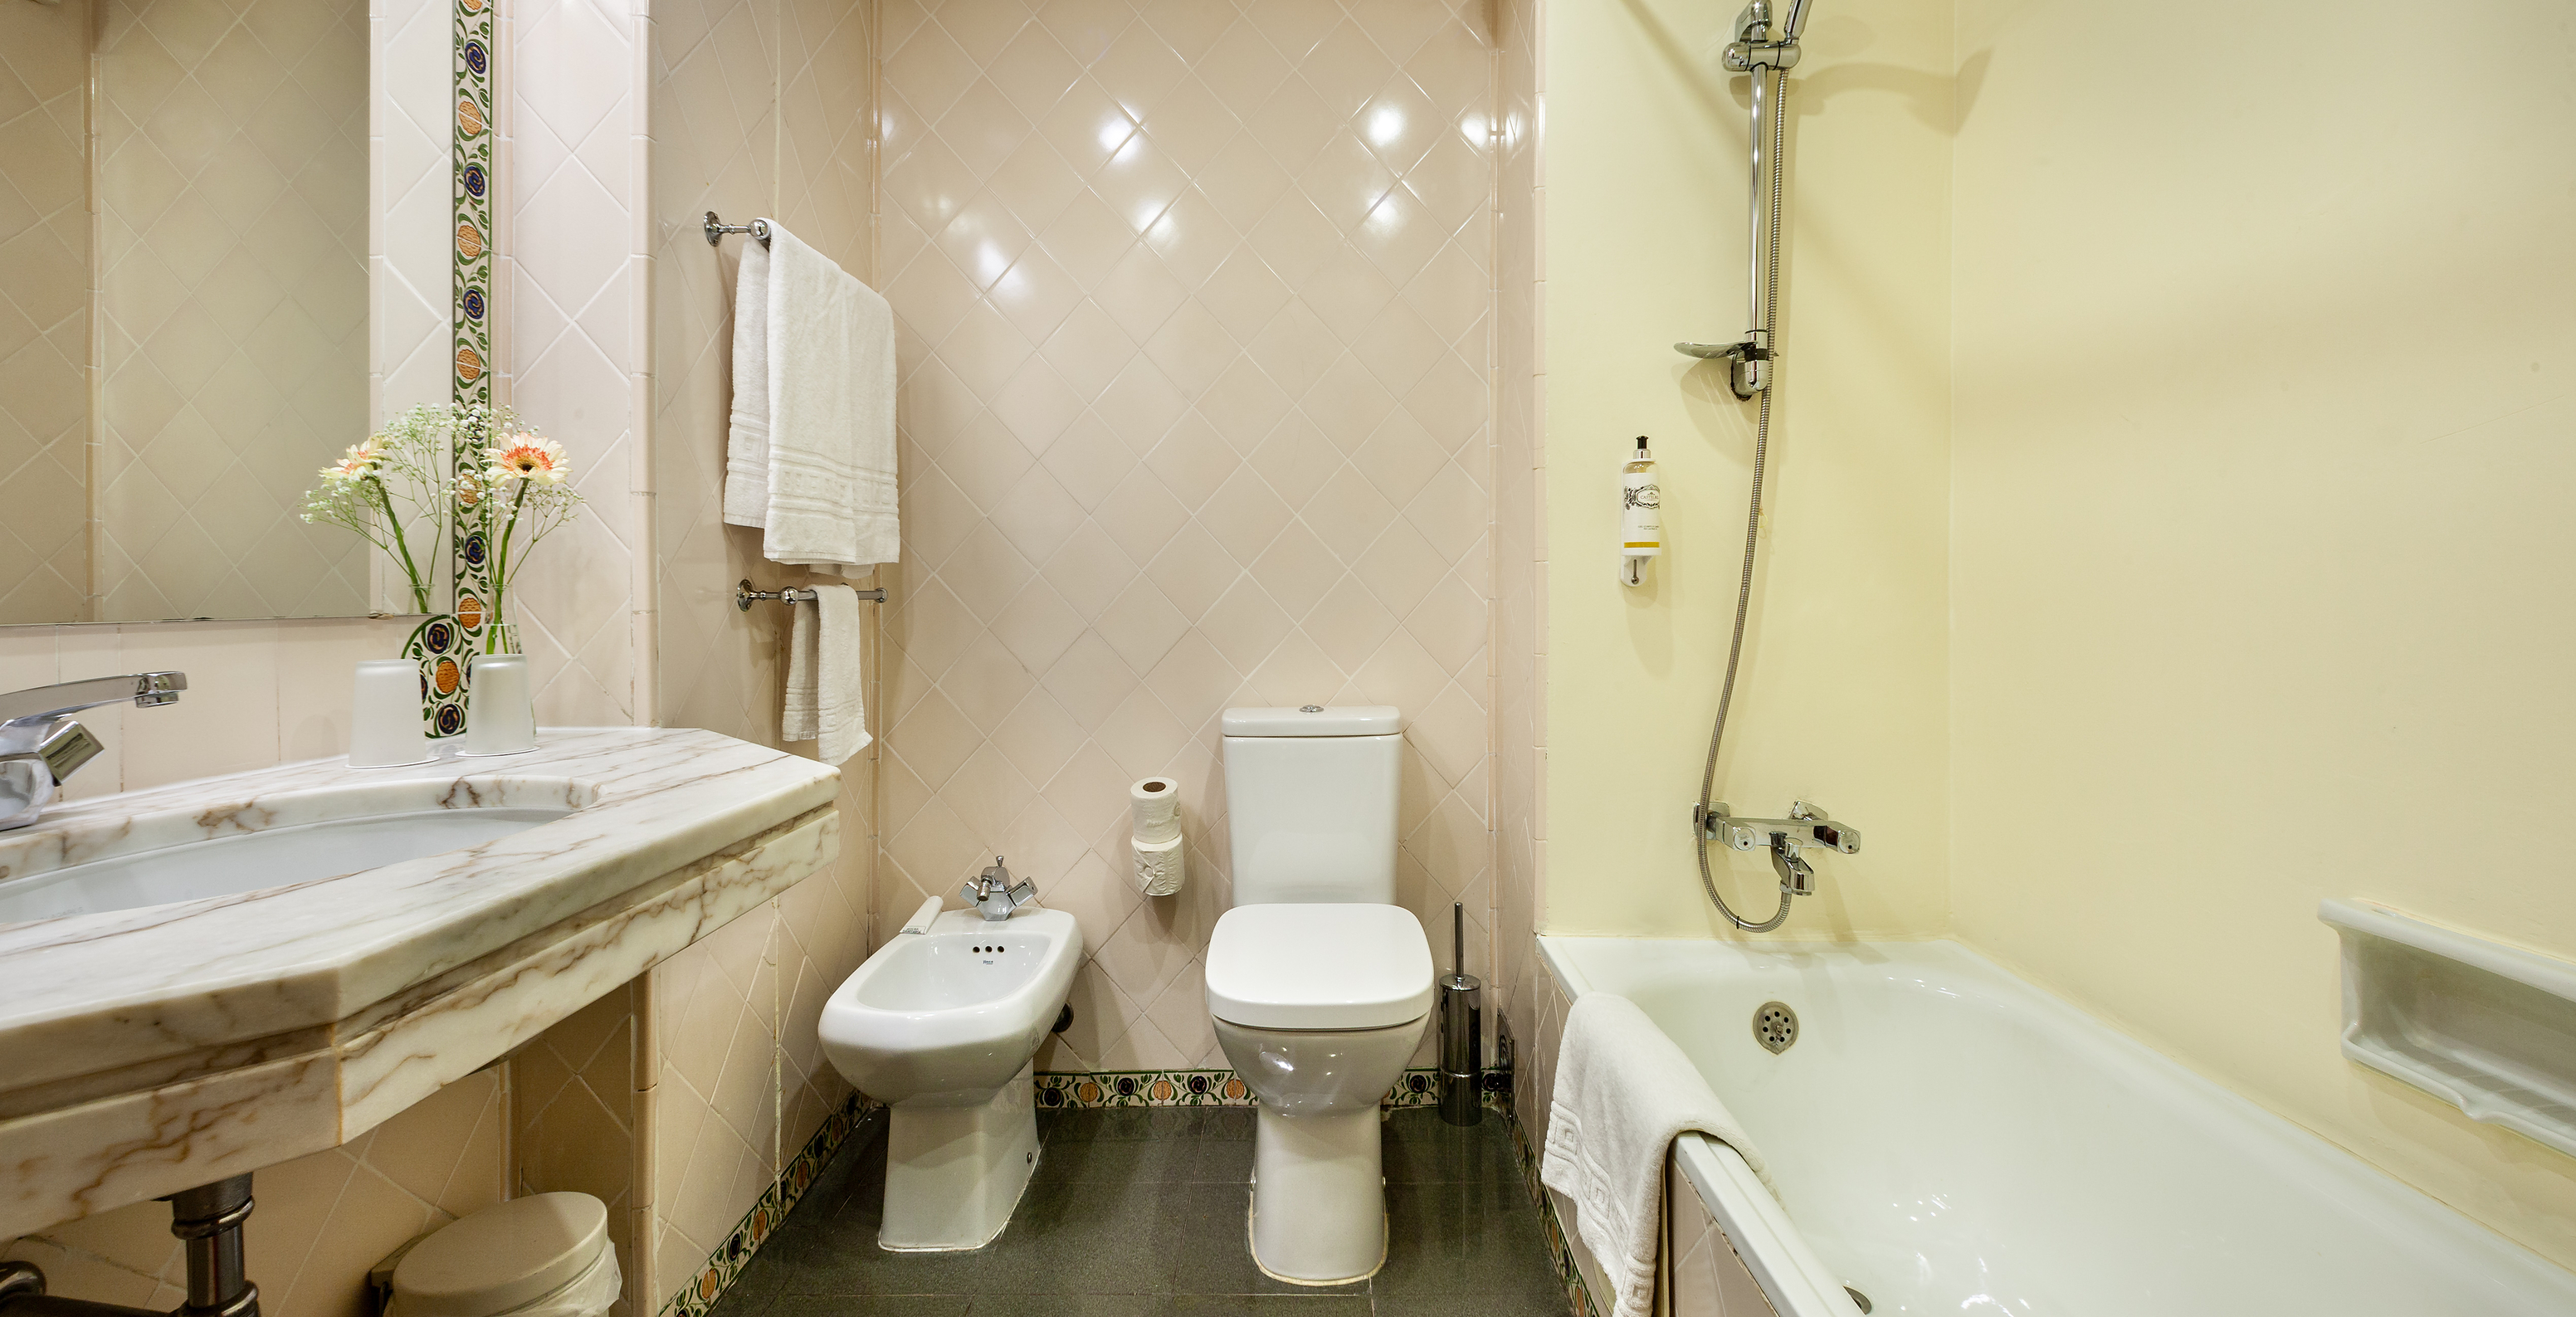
[2261, 548]
[1840, 701]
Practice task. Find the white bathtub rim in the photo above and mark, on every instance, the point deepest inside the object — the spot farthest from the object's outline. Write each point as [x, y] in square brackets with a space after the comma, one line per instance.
[1797, 1282]
[2290, 1145]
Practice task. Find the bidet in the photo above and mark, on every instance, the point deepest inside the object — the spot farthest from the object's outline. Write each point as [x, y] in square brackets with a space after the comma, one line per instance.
[940, 1025]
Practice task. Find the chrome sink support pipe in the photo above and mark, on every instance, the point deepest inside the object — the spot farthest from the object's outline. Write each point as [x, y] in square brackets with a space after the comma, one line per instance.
[40, 745]
[209, 1218]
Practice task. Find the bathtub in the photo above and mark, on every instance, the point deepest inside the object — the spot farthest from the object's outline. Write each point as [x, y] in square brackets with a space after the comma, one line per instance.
[1946, 1138]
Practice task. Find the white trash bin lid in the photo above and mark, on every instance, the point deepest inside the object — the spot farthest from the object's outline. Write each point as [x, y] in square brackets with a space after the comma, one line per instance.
[504, 1256]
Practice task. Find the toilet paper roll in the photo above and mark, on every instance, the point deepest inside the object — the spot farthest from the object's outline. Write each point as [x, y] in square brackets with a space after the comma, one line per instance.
[1159, 868]
[1156, 804]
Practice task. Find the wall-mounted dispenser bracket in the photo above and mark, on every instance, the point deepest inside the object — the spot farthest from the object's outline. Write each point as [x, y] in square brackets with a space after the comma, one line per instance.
[1748, 369]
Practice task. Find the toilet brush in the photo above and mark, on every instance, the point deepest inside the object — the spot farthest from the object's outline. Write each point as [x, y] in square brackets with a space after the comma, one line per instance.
[1461, 1030]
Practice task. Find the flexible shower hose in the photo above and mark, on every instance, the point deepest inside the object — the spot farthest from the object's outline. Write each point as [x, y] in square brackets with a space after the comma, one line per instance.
[1752, 539]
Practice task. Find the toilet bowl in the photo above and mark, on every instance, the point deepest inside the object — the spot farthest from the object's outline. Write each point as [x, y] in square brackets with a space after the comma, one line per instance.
[940, 1025]
[1318, 1007]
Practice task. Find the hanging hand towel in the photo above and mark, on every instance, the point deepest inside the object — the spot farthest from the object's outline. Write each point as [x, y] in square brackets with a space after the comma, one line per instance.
[826, 696]
[810, 454]
[1624, 1092]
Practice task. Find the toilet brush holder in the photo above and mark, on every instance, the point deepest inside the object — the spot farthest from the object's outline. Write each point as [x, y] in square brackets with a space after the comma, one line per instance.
[1462, 1032]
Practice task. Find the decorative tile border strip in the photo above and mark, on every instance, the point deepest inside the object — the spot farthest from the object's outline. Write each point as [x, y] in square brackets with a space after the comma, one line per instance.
[725, 1265]
[440, 643]
[1578, 1296]
[1073, 1090]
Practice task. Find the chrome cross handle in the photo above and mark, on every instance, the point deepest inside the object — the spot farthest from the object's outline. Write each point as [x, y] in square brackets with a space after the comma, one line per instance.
[994, 895]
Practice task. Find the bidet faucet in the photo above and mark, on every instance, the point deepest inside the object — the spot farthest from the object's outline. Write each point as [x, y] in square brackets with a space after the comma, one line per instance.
[994, 895]
[40, 745]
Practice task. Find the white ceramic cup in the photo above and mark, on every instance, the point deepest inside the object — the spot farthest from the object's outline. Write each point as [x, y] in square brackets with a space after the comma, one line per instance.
[384, 715]
[500, 712]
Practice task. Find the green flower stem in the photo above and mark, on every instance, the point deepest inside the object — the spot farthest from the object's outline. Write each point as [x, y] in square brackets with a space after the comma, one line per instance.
[501, 571]
[385, 502]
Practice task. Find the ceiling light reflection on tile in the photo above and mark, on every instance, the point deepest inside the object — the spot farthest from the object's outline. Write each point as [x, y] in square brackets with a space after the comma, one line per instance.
[1385, 125]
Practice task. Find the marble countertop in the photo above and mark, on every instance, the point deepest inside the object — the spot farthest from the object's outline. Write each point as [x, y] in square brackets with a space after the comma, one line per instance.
[147, 1050]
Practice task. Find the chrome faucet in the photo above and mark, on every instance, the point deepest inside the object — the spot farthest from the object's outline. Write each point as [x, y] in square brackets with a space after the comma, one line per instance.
[994, 895]
[1806, 826]
[40, 745]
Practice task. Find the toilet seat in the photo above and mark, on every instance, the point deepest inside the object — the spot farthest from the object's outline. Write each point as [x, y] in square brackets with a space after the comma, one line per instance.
[1318, 966]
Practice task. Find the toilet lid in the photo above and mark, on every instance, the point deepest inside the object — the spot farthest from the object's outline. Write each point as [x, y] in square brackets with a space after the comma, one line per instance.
[1318, 966]
[501, 1257]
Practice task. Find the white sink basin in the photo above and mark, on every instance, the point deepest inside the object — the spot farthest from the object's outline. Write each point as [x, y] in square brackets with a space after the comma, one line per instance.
[276, 857]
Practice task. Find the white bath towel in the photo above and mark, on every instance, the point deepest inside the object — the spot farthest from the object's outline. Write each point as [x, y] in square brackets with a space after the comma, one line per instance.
[809, 457]
[1624, 1092]
[826, 696]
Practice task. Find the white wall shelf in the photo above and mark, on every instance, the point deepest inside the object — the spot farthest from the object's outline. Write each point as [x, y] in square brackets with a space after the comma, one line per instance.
[2489, 1028]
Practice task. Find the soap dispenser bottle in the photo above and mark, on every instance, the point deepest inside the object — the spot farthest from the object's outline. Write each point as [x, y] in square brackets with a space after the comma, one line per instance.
[1641, 515]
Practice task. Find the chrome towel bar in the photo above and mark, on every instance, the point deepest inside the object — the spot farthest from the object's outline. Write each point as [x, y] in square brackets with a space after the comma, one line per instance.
[744, 595]
[717, 229]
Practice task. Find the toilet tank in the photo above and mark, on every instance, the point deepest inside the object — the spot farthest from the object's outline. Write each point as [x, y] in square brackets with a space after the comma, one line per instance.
[1310, 799]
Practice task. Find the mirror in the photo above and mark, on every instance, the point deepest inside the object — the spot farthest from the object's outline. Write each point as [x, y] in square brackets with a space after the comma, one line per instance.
[223, 260]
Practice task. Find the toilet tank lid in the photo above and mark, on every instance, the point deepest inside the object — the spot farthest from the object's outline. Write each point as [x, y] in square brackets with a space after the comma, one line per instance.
[1315, 720]
[502, 1256]
[1325, 965]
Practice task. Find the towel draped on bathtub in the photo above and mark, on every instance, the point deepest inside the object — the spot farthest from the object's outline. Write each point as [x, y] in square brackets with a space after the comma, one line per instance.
[1624, 1092]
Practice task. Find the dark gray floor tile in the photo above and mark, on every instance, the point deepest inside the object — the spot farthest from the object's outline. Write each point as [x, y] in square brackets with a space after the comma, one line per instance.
[1524, 1303]
[1066, 1305]
[872, 1305]
[1421, 1148]
[757, 1286]
[1140, 1212]
[1117, 1160]
[1222, 1161]
[1327, 1304]
[1465, 1237]
[1204, 1239]
[1078, 1237]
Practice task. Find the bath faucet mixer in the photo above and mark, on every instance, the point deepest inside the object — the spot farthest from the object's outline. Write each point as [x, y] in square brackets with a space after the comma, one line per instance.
[994, 895]
[41, 746]
[1806, 826]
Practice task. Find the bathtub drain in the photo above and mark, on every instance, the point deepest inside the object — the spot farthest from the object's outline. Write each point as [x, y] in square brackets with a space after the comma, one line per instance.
[1775, 1026]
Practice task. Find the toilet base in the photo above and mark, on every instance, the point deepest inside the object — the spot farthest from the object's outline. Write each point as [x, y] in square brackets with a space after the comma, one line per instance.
[953, 1174]
[1318, 1196]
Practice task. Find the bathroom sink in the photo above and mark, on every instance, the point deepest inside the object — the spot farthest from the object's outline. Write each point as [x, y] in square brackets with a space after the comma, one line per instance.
[274, 857]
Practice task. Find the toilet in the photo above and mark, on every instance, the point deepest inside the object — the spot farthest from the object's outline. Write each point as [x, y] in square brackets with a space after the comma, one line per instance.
[1319, 985]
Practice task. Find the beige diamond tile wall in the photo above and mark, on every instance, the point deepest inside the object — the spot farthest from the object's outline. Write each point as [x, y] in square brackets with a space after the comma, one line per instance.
[574, 272]
[232, 237]
[411, 261]
[1195, 307]
[1520, 603]
[44, 312]
[759, 108]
